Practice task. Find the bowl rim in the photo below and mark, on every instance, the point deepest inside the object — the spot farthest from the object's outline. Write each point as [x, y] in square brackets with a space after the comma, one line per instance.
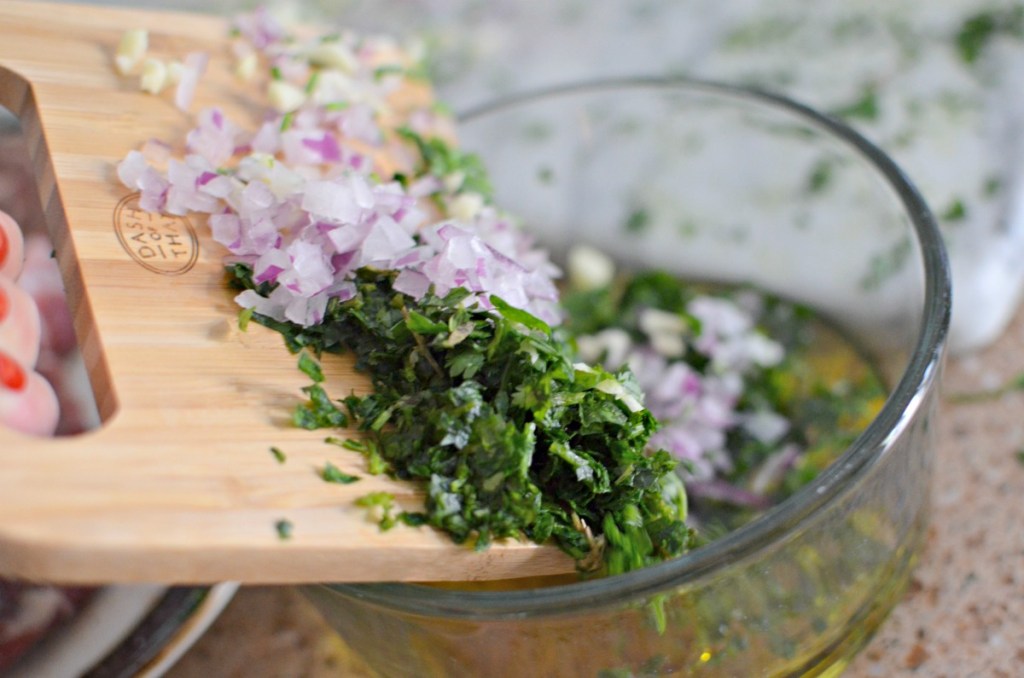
[898, 411]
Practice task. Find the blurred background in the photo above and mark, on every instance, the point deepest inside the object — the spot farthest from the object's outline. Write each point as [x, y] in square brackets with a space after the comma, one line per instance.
[935, 84]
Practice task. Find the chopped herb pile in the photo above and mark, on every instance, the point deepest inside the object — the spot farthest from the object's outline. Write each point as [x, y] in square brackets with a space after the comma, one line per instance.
[509, 436]
[754, 395]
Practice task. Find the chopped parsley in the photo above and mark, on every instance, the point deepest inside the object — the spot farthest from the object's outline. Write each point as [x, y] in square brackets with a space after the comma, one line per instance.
[799, 393]
[284, 529]
[508, 436]
[379, 505]
[311, 368]
[440, 159]
[332, 474]
[244, 316]
[278, 455]
[320, 412]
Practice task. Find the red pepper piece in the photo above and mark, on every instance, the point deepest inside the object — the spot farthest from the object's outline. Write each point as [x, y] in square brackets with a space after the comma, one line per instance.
[12, 375]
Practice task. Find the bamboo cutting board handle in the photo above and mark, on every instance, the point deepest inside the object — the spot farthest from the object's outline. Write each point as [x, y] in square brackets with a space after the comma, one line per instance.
[178, 484]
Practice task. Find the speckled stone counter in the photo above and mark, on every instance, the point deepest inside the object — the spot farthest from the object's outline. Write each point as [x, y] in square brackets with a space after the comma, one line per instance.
[964, 612]
[962, 616]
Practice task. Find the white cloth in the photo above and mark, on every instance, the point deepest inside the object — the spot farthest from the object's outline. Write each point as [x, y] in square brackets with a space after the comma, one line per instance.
[954, 126]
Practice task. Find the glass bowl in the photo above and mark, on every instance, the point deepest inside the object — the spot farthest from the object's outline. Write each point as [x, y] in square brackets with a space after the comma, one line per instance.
[731, 185]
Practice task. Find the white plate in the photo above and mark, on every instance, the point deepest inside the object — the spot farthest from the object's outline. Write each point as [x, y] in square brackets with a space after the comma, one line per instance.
[137, 631]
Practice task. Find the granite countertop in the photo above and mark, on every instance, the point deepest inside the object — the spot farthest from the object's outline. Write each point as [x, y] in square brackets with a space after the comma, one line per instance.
[960, 616]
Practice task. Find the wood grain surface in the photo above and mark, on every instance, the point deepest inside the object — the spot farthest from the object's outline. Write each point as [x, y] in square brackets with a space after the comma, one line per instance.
[178, 484]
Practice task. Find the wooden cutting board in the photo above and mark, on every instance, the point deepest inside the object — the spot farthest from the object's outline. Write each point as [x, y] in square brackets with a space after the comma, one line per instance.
[179, 484]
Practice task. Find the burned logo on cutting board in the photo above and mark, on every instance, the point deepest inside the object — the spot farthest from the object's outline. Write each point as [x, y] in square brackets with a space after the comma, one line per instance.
[162, 243]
